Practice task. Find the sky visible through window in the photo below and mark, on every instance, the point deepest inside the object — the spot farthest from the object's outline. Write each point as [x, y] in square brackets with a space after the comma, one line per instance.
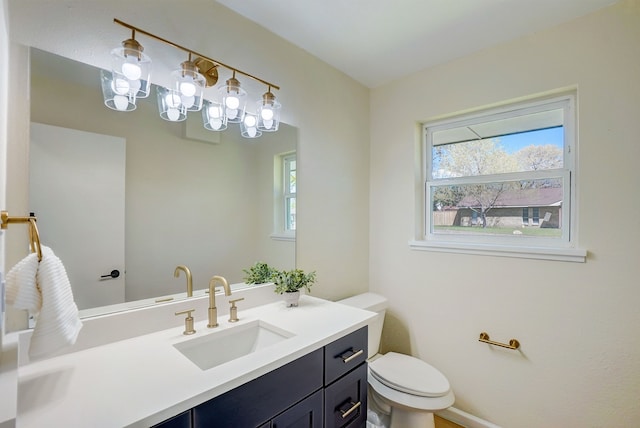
[514, 142]
[448, 160]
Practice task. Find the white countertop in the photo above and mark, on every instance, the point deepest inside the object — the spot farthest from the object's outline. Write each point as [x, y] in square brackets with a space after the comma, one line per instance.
[144, 380]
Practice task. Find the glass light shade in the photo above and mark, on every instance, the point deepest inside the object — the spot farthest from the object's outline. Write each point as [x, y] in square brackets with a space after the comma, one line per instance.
[268, 112]
[190, 85]
[116, 92]
[170, 105]
[130, 62]
[234, 99]
[213, 116]
[249, 126]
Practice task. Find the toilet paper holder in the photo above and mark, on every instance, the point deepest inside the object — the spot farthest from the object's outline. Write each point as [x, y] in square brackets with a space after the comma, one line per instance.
[513, 343]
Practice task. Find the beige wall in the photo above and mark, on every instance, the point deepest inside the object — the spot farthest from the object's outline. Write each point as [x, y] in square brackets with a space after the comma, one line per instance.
[577, 323]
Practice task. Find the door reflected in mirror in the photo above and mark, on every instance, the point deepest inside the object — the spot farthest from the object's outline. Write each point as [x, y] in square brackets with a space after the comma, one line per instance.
[210, 201]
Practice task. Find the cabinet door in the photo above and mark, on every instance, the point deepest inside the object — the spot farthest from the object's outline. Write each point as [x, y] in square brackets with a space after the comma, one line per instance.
[183, 420]
[255, 402]
[305, 414]
[345, 401]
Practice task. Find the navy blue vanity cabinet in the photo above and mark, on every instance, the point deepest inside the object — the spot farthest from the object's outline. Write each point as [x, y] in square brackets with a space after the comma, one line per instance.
[325, 388]
[259, 401]
[345, 381]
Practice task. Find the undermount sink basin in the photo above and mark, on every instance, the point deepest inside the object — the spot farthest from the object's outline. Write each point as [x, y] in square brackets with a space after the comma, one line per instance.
[226, 345]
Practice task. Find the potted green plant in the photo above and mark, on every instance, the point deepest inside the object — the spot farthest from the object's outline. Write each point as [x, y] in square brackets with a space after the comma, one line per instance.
[290, 282]
[259, 273]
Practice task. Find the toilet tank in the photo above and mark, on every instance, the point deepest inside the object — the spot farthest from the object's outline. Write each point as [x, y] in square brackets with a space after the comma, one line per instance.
[374, 303]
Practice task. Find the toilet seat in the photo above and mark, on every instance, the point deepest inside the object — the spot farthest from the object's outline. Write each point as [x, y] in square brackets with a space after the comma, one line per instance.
[409, 375]
[410, 402]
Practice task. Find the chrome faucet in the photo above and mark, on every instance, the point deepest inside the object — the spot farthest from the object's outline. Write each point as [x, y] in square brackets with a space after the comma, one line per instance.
[213, 311]
[187, 272]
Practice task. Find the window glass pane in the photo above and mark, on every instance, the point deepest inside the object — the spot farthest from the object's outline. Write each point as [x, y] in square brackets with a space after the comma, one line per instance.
[291, 213]
[498, 208]
[291, 182]
[540, 149]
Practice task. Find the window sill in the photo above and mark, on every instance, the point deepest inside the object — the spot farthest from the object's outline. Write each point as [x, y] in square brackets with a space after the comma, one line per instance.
[577, 255]
[282, 236]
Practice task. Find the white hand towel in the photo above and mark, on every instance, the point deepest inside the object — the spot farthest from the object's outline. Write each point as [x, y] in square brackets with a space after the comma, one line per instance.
[58, 323]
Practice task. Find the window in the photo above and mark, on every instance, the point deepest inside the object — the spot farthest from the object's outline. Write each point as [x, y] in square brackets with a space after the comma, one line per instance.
[536, 216]
[488, 175]
[289, 163]
[284, 201]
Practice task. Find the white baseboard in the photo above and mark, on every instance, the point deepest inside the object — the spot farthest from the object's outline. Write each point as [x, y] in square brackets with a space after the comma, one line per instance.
[465, 419]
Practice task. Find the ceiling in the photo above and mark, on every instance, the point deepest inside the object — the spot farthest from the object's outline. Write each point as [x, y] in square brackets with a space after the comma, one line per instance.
[378, 41]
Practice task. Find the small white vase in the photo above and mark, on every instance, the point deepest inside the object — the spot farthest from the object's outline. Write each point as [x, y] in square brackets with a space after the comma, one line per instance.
[291, 298]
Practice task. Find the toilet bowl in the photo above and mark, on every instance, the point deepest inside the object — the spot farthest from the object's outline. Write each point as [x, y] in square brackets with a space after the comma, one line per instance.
[405, 387]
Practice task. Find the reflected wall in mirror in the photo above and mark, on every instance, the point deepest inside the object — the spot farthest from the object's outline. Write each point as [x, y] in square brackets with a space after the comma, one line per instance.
[192, 197]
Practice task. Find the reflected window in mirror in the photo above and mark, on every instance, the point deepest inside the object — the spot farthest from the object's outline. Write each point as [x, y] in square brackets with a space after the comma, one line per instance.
[284, 196]
[290, 192]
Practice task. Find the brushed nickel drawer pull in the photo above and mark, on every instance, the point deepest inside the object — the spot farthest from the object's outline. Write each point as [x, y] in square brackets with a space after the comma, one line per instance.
[353, 408]
[352, 356]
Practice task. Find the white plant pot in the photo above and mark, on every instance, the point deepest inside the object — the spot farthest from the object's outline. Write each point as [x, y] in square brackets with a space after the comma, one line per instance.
[291, 298]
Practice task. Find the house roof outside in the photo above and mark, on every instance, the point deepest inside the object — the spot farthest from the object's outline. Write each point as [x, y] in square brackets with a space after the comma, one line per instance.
[537, 197]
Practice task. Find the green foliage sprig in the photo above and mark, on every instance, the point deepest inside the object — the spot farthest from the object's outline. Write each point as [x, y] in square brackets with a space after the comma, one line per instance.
[259, 273]
[293, 280]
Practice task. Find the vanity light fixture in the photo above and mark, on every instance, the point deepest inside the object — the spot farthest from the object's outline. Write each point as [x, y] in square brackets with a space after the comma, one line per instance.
[234, 99]
[190, 85]
[170, 105]
[213, 116]
[116, 93]
[249, 126]
[133, 66]
[130, 79]
[268, 112]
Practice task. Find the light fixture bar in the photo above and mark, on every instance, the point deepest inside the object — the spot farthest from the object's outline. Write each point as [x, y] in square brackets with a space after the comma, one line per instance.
[215, 62]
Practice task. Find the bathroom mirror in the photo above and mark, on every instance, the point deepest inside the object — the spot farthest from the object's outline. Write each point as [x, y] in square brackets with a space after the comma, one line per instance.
[192, 197]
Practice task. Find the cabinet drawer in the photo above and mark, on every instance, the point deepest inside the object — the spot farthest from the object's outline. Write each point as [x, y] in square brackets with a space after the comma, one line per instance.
[345, 401]
[344, 355]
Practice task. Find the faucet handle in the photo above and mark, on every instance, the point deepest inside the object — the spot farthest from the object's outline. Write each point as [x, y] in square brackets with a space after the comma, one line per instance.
[188, 321]
[233, 310]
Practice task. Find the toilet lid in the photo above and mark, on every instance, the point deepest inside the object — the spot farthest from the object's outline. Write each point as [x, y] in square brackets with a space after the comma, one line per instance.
[408, 374]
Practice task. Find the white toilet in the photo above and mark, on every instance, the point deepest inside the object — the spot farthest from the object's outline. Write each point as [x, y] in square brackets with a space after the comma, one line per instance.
[405, 387]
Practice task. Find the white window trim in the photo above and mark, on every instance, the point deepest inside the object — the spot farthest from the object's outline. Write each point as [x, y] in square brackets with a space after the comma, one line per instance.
[541, 253]
[565, 249]
[284, 236]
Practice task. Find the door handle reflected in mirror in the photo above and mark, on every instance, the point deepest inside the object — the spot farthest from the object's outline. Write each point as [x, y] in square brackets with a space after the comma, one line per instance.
[114, 274]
